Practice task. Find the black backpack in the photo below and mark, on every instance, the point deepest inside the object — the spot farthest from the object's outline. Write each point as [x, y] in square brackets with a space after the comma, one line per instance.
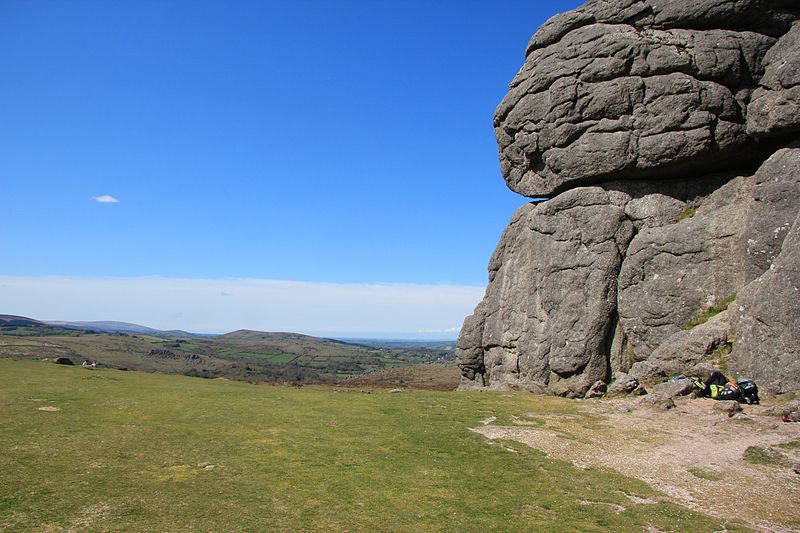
[748, 390]
[729, 391]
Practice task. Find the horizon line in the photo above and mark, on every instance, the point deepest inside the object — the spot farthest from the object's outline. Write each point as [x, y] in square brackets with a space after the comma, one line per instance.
[215, 306]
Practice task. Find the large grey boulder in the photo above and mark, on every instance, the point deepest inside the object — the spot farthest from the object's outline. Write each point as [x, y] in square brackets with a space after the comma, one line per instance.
[770, 17]
[623, 384]
[604, 95]
[469, 349]
[674, 272]
[775, 106]
[671, 389]
[552, 293]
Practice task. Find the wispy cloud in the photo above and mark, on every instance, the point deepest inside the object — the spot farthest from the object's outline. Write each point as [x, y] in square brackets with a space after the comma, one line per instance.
[218, 306]
[453, 330]
[105, 199]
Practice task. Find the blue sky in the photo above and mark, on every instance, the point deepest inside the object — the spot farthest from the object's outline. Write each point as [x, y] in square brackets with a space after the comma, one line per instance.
[343, 143]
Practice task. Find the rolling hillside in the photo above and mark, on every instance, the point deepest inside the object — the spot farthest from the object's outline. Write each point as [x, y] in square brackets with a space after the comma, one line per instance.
[242, 355]
[112, 326]
[24, 326]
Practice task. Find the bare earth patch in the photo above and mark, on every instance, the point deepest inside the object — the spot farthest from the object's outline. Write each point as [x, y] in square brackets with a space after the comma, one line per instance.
[691, 453]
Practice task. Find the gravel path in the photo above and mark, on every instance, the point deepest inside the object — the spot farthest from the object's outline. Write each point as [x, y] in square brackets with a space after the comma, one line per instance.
[693, 454]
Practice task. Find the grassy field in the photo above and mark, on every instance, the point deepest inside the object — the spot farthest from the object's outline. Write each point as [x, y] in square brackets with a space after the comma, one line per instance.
[104, 450]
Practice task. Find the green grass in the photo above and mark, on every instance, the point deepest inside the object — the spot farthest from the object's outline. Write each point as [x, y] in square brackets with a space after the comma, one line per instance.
[272, 357]
[38, 331]
[183, 345]
[705, 316]
[758, 455]
[791, 445]
[708, 475]
[129, 451]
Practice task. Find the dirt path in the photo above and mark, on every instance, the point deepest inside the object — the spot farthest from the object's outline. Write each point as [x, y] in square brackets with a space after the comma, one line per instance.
[691, 453]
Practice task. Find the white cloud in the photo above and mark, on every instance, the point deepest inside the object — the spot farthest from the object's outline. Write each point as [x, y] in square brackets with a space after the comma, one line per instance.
[454, 329]
[218, 306]
[105, 199]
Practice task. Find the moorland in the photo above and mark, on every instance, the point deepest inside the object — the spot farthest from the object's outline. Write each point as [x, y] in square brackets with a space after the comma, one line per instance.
[98, 449]
[319, 434]
[242, 355]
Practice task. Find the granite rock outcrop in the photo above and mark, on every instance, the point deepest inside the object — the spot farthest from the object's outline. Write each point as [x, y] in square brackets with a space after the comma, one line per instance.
[664, 131]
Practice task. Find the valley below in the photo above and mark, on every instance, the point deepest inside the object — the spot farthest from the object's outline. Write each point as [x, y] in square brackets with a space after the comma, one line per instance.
[241, 355]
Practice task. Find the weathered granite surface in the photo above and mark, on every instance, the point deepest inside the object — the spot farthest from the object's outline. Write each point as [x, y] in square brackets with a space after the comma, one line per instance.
[546, 314]
[673, 272]
[664, 128]
[627, 92]
[775, 104]
[766, 321]
[687, 352]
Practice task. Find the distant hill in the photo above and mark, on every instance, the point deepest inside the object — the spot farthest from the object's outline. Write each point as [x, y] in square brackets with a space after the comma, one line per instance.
[111, 326]
[105, 326]
[23, 326]
[14, 320]
[249, 334]
[244, 354]
[446, 345]
[295, 343]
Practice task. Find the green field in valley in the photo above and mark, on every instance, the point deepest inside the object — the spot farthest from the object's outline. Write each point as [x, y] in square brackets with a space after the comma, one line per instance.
[105, 450]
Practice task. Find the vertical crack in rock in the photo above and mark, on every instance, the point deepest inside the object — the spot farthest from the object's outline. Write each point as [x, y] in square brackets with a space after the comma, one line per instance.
[614, 347]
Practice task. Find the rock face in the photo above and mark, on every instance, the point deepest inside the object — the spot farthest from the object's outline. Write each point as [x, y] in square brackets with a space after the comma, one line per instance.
[664, 130]
[775, 104]
[766, 324]
[633, 89]
[546, 316]
[687, 352]
[671, 272]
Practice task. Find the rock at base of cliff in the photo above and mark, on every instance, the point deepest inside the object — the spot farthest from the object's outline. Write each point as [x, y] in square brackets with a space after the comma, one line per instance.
[672, 389]
[729, 407]
[695, 352]
[597, 390]
[623, 384]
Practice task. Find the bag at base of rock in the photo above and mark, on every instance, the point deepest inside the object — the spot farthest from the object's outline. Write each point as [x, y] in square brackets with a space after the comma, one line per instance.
[748, 390]
[730, 391]
[717, 384]
[701, 388]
